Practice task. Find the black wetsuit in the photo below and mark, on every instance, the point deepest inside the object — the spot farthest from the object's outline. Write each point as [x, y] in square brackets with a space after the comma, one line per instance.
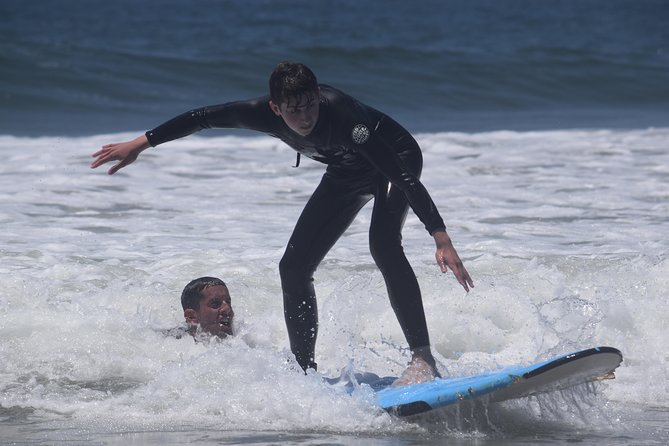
[364, 150]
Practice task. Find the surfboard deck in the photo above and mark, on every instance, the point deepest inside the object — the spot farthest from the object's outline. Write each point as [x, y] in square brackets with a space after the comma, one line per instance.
[511, 382]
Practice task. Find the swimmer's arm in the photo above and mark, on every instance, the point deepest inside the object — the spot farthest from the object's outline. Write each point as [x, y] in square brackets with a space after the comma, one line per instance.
[124, 152]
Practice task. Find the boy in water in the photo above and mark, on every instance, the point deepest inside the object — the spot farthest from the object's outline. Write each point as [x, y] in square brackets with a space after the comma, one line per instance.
[368, 155]
[207, 306]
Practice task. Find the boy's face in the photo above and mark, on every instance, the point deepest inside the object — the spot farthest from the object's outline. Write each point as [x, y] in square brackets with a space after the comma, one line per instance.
[300, 114]
[215, 314]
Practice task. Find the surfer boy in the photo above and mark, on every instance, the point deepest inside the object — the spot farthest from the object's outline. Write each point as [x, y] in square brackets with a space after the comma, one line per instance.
[207, 307]
[368, 155]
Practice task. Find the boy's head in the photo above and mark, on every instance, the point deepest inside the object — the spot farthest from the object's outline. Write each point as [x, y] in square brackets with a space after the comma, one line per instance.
[206, 302]
[294, 96]
[290, 81]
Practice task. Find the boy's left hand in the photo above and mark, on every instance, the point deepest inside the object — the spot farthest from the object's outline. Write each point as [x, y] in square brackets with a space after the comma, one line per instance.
[447, 257]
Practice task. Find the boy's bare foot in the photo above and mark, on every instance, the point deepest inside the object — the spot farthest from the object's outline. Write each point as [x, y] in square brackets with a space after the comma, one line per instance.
[420, 369]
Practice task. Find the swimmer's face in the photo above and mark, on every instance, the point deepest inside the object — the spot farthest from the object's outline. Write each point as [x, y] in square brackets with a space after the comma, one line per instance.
[300, 114]
[215, 314]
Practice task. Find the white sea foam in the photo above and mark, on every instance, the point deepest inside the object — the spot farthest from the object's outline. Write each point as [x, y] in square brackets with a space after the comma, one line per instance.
[564, 232]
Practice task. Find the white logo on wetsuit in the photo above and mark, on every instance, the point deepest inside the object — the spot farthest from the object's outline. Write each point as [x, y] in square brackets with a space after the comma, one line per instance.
[360, 134]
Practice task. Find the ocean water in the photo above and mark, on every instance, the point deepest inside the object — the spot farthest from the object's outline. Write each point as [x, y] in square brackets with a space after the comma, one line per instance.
[545, 142]
[93, 66]
[564, 233]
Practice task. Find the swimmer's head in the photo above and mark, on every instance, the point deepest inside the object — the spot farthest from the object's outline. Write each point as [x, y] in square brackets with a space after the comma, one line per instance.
[206, 303]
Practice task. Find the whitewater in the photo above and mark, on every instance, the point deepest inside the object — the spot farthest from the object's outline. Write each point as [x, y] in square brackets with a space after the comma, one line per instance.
[564, 232]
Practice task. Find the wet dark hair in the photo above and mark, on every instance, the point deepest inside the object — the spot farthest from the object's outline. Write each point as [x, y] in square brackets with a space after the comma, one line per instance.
[190, 297]
[291, 80]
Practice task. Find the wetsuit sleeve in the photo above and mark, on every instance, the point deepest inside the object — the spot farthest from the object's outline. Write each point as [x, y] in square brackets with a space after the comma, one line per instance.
[391, 166]
[253, 114]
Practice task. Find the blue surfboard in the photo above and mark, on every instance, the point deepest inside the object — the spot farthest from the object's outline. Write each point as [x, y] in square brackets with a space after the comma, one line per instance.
[511, 382]
[508, 383]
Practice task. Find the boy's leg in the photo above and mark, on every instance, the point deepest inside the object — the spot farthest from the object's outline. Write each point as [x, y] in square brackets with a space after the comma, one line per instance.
[385, 243]
[390, 210]
[327, 214]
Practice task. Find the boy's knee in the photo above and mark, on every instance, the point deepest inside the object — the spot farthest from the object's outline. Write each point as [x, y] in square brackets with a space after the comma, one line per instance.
[285, 265]
[385, 248]
[294, 267]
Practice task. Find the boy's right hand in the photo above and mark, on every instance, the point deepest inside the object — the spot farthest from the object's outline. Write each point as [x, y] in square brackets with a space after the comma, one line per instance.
[124, 152]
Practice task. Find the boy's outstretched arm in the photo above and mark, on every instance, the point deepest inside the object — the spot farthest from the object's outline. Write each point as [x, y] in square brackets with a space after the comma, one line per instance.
[447, 257]
[123, 152]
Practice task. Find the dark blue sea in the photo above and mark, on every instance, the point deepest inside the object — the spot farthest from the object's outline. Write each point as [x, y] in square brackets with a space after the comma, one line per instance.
[77, 67]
